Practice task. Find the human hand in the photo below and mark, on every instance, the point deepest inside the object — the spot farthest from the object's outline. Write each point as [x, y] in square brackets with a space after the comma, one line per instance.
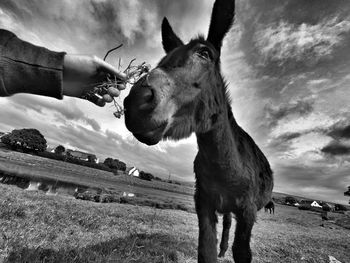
[82, 74]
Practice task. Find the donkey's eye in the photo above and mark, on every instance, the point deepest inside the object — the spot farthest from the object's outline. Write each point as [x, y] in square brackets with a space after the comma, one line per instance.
[204, 53]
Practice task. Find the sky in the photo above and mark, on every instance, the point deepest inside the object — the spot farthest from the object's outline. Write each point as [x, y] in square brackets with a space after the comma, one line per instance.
[287, 64]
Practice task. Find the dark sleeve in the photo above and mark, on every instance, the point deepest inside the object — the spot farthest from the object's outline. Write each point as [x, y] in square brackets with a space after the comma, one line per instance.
[26, 68]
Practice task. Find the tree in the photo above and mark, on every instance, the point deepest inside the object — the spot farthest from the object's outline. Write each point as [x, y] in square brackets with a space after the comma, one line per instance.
[339, 207]
[115, 164]
[92, 158]
[60, 150]
[290, 200]
[146, 176]
[347, 193]
[25, 139]
[326, 207]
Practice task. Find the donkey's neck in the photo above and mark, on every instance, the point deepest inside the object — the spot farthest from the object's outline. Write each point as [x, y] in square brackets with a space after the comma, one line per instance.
[219, 146]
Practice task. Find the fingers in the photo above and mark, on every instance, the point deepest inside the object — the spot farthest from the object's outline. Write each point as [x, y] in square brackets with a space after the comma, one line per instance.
[121, 86]
[107, 68]
[96, 99]
[108, 97]
[113, 92]
[103, 97]
[100, 103]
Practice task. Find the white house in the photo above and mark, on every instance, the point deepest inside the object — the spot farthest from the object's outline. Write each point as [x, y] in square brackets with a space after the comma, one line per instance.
[134, 172]
[315, 204]
[88, 157]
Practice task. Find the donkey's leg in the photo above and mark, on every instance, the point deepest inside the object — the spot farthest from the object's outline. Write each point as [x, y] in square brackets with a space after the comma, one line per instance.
[226, 225]
[241, 248]
[207, 220]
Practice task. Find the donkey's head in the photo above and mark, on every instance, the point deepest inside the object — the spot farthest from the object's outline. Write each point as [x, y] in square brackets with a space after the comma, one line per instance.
[185, 93]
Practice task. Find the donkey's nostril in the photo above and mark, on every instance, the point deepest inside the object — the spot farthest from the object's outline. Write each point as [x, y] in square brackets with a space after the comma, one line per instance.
[148, 95]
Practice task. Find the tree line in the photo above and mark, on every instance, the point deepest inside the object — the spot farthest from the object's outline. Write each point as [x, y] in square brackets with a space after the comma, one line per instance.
[32, 141]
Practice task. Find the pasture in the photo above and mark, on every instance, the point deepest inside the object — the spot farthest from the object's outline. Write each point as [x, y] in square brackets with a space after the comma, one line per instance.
[35, 227]
[42, 169]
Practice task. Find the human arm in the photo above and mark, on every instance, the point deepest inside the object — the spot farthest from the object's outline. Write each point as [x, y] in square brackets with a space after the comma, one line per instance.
[26, 68]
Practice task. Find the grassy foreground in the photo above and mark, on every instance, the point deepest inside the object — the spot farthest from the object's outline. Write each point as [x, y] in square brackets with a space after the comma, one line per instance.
[35, 227]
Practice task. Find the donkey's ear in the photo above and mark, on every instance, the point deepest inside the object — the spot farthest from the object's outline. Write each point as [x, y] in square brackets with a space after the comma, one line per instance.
[221, 20]
[169, 39]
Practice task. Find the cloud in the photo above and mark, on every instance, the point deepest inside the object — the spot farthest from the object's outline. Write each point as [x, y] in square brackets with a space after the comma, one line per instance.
[282, 142]
[44, 105]
[320, 182]
[287, 63]
[110, 144]
[336, 148]
[281, 38]
[119, 20]
[73, 130]
[305, 43]
[289, 136]
[340, 132]
[295, 108]
[95, 26]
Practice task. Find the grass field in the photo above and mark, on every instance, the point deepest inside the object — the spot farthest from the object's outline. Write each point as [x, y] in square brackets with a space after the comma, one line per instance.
[35, 227]
[43, 169]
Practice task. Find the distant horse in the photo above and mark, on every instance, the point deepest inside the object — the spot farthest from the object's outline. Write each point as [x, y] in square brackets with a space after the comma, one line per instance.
[270, 206]
[186, 93]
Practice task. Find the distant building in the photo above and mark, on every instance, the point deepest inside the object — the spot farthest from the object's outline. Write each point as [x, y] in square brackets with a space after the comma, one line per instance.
[50, 149]
[311, 203]
[88, 157]
[133, 171]
[316, 204]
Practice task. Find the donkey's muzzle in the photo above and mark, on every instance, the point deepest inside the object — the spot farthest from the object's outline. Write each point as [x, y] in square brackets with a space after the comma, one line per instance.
[139, 105]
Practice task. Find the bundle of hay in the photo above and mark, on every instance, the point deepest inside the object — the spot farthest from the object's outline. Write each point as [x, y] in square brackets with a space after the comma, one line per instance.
[133, 74]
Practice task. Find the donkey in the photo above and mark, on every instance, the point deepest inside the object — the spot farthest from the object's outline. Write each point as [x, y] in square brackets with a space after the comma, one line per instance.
[186, 93]
[270, 206]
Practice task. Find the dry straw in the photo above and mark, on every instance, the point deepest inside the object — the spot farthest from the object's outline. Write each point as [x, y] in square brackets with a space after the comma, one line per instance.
[133, 73]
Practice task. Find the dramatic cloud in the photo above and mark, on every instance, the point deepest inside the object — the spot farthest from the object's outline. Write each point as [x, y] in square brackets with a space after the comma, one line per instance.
[286, 62]
[76, 132]
[276, 113]
[305, 43]
[339, 132]
[279, 38]
[336, 148]
[72, 113]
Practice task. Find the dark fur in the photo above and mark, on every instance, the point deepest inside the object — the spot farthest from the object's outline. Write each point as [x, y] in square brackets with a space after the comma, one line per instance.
[232, 174]
[221, 21]
[169, 38]
[270, 206]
